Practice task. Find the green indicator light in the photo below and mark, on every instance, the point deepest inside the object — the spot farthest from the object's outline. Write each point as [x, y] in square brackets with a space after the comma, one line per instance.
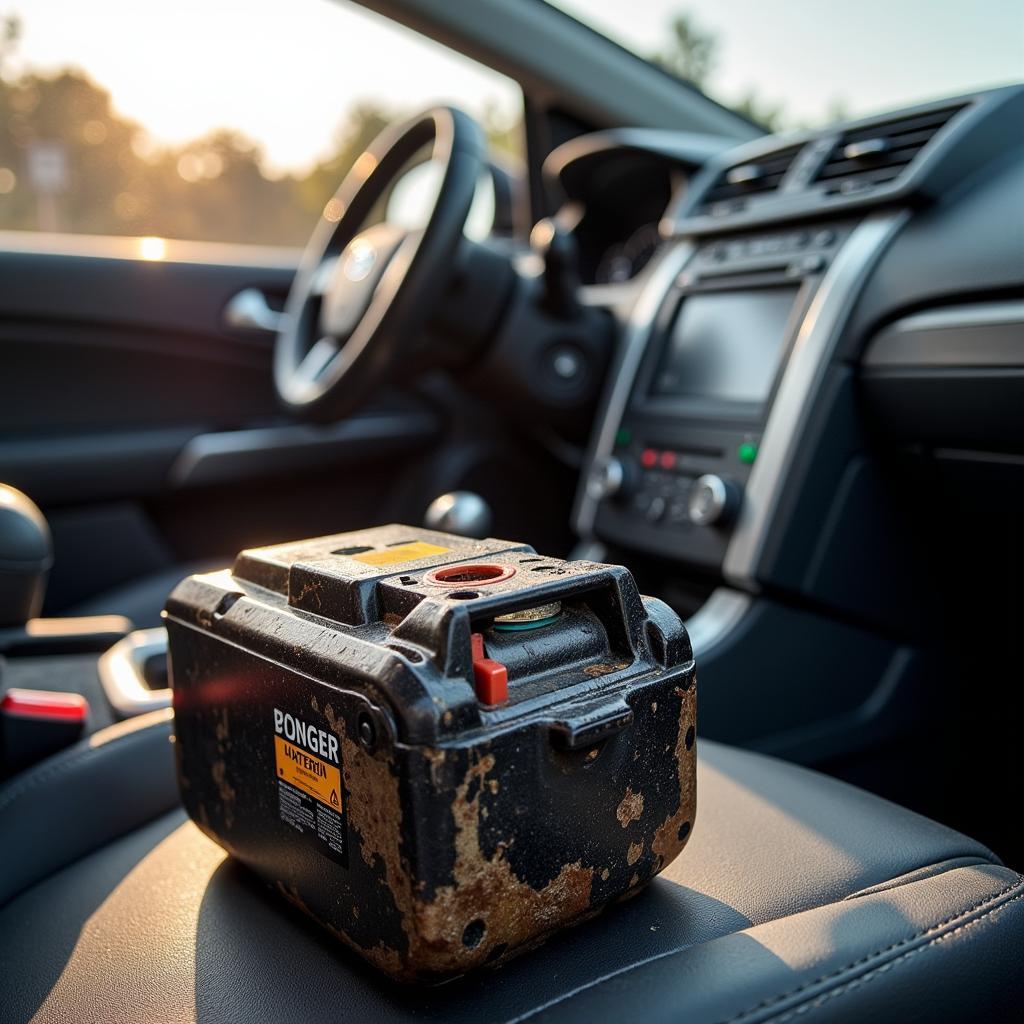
[624, 436]
[747, 452]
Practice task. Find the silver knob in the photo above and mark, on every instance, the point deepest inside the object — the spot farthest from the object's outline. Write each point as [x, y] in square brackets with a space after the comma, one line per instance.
[460, 512]
[607, 477]
[712, 500]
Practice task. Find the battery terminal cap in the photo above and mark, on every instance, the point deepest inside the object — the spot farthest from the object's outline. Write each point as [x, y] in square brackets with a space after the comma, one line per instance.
[474, 575]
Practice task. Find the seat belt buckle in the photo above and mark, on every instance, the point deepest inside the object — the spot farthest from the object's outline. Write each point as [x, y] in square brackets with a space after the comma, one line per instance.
[37, 723]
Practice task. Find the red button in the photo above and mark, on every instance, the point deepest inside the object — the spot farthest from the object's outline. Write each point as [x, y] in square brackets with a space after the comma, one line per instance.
[45, 704]
[490, 678]
[648, 458]
[668, 460]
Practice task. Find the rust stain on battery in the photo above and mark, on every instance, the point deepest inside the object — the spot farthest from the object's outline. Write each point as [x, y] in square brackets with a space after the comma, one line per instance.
[675, 830]
[486, 895]
[487, 891]
[603, 669]
[630, 808]
[310, 588]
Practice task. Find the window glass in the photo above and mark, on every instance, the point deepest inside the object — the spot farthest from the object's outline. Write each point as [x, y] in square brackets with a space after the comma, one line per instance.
[218, 120]
[801, 63]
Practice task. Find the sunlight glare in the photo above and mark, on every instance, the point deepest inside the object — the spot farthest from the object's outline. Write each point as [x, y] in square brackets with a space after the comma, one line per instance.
[333, 210]
[364, 165]
[152, 248]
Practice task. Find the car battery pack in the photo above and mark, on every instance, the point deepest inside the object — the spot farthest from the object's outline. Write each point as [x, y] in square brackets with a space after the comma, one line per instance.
[440, 749]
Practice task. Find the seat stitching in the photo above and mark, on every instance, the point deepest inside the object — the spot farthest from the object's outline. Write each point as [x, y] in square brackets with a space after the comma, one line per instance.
[942, 867]
[534, 1011]
[53, 771]
[881, 952]
[883, 968]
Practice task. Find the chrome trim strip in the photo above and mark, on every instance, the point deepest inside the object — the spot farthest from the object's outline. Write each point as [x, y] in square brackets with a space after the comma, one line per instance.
[983, 335]
[631, 351]
[230, 455]
[716, 618]
[121, 671]
[976, 314]
[787, 419]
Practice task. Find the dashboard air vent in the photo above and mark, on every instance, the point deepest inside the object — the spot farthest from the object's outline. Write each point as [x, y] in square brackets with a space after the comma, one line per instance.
[736, 183]
[876, 153]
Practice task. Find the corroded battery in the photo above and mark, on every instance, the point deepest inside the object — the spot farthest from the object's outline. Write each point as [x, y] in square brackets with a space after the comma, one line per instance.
[441, 749]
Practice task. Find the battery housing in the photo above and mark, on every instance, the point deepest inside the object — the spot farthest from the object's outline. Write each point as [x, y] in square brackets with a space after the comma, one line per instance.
[441, 749]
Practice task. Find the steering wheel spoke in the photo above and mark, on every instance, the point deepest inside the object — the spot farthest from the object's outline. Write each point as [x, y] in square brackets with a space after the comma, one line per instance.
[322, 277]
[317, 359]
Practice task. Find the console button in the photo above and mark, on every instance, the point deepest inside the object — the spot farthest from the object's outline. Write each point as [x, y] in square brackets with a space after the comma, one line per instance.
[678, 512]
[641, 502]
[656, 509]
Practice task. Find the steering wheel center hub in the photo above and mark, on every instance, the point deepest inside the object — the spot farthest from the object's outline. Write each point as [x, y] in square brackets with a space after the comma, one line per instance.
[354, 277]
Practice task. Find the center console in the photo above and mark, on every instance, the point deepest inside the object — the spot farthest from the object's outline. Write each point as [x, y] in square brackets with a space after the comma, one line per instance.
[687, 425]
[710, 450]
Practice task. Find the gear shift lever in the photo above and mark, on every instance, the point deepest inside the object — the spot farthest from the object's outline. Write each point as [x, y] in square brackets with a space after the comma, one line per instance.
[461, 512]
[26, 554]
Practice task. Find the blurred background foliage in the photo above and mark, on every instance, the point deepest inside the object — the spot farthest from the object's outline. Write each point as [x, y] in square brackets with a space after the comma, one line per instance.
[120, 182]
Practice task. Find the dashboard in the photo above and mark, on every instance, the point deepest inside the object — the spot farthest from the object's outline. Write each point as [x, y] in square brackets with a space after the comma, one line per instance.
[739, 401]
[811, 438]
[614, 187]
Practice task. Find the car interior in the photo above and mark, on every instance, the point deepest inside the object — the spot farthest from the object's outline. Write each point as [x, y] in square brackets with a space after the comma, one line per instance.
[777, 374]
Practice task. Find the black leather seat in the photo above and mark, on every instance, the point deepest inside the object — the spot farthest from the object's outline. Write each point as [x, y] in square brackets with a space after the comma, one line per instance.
[143, 599]
[798, 898]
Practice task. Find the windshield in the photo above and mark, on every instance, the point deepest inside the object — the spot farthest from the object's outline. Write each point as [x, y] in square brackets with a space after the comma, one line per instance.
[210, 120]
[800, 63]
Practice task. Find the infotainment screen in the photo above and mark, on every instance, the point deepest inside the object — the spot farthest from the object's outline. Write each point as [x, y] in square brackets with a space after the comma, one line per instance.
[725, 345]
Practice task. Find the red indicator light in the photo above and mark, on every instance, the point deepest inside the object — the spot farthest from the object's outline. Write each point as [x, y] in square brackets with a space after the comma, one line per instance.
[648, 458]
[668, 460]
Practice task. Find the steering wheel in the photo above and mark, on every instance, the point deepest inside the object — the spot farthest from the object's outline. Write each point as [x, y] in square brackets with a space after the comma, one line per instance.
[361, 297]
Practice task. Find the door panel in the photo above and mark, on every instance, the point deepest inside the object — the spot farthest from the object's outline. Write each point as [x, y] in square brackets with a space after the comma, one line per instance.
[147, 428]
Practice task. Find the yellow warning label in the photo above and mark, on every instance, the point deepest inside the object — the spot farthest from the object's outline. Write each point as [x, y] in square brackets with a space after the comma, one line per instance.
[308, 773]
[400, 553]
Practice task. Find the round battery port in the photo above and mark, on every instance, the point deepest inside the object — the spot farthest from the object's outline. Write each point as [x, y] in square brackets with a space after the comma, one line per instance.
[528, 618]
[477, 575]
